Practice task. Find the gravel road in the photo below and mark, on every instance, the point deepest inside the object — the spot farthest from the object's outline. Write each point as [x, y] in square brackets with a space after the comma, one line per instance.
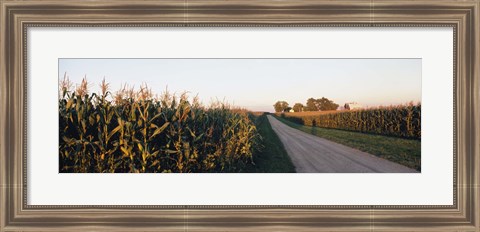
[313, 154]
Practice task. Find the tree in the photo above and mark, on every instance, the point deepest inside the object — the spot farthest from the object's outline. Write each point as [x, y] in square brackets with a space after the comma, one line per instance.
[320, 104]
[280, 106]
[287, 109]
[311, 105]
[298, 107]
[326, 104]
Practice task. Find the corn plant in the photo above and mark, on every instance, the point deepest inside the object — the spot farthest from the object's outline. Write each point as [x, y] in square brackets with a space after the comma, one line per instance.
[400, 121]
[133, 131]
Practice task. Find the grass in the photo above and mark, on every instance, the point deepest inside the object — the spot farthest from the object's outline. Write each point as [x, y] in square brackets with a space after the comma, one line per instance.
[399, 150]
[272, 157]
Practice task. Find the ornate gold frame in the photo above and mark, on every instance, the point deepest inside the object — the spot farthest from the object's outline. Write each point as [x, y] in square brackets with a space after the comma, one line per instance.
[17, 16]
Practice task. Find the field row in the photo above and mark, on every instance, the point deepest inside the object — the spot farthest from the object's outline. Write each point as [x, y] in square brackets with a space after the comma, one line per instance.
[400, 121]
[138, 133]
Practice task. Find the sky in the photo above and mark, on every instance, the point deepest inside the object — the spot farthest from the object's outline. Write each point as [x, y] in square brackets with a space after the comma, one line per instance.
[256, 84]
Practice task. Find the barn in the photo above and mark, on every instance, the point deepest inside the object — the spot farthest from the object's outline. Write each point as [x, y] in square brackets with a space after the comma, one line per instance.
[352, 106]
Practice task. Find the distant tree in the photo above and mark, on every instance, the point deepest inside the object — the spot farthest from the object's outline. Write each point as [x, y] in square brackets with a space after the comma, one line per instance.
[298, 107]
[311, 105]
[280, 106]
[287, 109]
[326, 104]
[320, 104]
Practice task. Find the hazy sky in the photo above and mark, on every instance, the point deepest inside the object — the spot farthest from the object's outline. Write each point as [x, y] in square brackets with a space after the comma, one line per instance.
[257, 84]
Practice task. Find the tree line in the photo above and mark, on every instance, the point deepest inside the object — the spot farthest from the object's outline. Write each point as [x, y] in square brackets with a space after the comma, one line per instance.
[312, 104]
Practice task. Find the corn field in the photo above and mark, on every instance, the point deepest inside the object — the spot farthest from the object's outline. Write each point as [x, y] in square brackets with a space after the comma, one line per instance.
[399, 121]
[135, 132]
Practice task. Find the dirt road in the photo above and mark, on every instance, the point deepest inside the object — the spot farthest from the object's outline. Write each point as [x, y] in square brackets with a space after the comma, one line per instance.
[313, 154]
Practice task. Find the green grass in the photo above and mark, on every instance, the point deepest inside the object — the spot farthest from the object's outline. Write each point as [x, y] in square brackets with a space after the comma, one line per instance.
[272, 157]
[399, 150]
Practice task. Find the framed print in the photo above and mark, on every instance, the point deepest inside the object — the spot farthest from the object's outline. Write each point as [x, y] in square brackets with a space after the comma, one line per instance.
[239, 116]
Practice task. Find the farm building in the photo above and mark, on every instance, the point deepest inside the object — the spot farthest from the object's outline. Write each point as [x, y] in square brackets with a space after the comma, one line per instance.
[352, 106]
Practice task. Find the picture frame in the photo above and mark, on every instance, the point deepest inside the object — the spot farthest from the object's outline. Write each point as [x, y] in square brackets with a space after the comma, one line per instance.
[17, 16]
